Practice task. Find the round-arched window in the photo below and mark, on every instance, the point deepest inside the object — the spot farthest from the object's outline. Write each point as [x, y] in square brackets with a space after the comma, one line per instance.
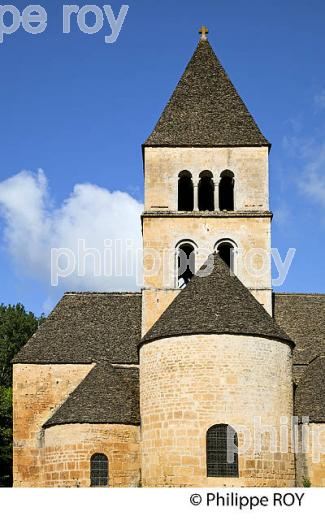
[99, 470]
[226, 250]
[222, 451]
[185, 192]
[226, 191]
[185, 263]
[206, 192]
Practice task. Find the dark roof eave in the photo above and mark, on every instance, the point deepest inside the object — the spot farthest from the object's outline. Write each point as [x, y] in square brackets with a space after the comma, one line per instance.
[51, 362]
[229, 145]
[312, 420]
[48, 424]
[288, 341]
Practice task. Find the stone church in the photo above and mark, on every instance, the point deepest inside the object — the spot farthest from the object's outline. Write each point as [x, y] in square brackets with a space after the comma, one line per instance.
[206, 377]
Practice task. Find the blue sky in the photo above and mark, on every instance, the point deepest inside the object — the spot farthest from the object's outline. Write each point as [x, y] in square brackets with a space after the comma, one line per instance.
[78, 109]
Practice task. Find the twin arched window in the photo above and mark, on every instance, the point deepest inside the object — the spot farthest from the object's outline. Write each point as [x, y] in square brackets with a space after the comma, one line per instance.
[186, 253]
[222, 451]
[99, 470]
[205, 200]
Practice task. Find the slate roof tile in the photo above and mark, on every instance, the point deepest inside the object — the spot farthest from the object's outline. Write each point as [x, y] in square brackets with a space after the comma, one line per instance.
[215, 304]
[310, 393]
[205, 109]
[108, 395]
[302, 316]
[86, 328]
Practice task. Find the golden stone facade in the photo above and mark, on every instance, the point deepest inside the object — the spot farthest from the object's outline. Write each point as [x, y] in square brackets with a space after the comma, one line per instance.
[188, 382]
[204, 380]
[248, 227]
[37, 391]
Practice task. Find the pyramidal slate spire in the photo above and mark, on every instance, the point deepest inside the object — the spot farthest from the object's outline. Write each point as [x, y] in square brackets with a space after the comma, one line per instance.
[205, 108]
[215, 302]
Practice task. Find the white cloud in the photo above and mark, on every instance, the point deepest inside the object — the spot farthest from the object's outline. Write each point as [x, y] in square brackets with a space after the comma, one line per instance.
[33, 225]
[313, 183]
[319, 99]
[298, 146]
[310, 174]
[282, 214]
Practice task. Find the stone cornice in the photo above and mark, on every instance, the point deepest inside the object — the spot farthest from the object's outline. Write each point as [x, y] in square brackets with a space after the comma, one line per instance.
[208, 214]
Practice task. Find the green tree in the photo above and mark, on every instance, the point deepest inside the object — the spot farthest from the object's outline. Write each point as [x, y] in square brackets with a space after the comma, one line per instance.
[5, 436]
[16, 327]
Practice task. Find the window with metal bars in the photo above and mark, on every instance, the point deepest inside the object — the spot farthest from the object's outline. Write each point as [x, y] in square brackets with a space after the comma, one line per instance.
[222, 451]
[99, 470]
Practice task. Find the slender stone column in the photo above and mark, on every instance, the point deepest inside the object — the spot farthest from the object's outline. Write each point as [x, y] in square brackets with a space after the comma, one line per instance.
[216, 196]
[196, 197]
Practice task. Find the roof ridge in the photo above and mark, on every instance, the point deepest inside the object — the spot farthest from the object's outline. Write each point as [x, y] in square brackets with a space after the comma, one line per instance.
[319, 356]
[298, 294]
[104, 293]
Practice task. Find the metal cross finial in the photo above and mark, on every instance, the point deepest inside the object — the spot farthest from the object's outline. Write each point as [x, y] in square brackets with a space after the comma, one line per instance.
[204, 31]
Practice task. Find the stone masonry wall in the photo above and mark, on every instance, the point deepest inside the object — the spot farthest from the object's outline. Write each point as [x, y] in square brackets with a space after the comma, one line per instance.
[38, 390]
[154, 303]
[310, 460]
[249, 165]
[249, 226]
[187, 384]
[161, 235]
[68, 449]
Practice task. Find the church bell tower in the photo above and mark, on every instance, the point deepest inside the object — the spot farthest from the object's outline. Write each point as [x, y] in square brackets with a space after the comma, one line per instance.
[206, 188]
